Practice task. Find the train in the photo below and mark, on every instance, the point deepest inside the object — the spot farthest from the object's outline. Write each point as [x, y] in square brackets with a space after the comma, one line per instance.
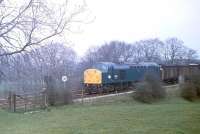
[108, 76]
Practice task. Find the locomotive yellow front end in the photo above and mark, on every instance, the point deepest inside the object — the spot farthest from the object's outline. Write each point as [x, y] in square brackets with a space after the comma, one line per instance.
[92, 77]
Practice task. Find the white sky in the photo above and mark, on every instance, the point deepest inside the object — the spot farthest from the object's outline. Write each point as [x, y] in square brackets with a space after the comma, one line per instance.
[133, 20]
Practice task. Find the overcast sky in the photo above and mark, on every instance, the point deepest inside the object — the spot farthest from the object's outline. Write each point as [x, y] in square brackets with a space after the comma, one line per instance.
[133, 20]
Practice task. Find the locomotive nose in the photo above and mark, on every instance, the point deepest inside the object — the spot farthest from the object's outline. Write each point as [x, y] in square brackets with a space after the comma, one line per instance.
[92, 76]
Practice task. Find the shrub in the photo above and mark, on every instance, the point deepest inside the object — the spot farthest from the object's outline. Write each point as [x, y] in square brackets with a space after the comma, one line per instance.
[195, 80]
[155, 86]
[56, 93]
[67, 97]
[149, 90]
[191, 89]
[188, 91]
[143, 93]
[64, 97]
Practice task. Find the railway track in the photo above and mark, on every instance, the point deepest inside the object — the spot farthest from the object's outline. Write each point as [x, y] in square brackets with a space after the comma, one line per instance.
[81, 94]
[86, 97]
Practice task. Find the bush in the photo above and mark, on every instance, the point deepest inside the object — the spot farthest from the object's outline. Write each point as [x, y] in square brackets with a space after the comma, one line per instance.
[56, 93]
[188, 91]
[143, 93]
[191, 89]
[64, 97]
[149, 90]
[195, 80]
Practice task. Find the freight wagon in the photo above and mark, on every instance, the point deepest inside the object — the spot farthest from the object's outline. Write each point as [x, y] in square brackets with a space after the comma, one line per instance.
[171, 73]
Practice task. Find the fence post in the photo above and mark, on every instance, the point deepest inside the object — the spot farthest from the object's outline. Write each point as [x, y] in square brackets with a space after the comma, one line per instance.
[25, 107]
[45, 100]
[10, 101]
[14, 102]
[44, 104]
[35, 102]
[25, 101]
[82, 93]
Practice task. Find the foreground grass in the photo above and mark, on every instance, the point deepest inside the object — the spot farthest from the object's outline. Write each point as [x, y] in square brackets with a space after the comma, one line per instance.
[171, 116]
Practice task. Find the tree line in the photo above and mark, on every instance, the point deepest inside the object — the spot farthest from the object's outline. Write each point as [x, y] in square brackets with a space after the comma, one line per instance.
[170, 51]
[27, 70]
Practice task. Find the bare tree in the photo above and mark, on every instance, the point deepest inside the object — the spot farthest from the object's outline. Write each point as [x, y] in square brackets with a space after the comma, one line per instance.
[120, 51]
[190, 55]
[149, 50]
[90, 58]
[25, 23]
[173, 50]
[114, 51]
[26, 71]
[54, 59]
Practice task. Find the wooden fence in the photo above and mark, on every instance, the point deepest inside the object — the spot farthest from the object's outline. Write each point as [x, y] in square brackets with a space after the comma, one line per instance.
[4, 103]
[24, 102]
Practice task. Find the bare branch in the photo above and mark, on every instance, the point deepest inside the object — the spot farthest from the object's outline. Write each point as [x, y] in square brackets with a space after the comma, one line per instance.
[33, 24]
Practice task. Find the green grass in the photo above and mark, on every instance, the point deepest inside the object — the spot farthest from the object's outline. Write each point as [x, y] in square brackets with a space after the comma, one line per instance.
[119, 115]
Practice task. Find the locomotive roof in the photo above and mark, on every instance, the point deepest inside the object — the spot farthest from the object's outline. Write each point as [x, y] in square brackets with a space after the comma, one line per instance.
[106, 63]
[145, 64]
[114, 65]
[121, 66]
[126, 66]
[148, 64]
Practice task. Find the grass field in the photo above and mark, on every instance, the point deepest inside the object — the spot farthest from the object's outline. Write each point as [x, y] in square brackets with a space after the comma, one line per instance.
[119, 115]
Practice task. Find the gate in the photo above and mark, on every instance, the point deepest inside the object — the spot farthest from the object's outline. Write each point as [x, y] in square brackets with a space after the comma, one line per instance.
[27, 101]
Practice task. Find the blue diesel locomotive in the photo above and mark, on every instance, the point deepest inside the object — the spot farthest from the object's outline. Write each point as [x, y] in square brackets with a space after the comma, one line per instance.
[105, 76]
